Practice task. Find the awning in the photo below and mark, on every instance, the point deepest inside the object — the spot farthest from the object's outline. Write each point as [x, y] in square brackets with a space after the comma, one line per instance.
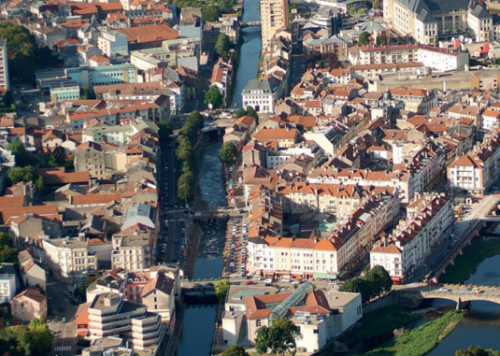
[325, 276]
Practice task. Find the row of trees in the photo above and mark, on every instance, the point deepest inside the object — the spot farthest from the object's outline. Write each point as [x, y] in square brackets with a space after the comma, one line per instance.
[374, 283]
[249, 111]
[210, 11]
[33, 339]
[185, 156]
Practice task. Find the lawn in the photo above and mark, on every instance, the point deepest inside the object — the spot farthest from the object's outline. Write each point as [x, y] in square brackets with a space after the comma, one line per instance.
[419, 341]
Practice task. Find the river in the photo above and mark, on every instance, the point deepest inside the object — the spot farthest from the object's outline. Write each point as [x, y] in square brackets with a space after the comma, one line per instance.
[250, 50]
[199, 321]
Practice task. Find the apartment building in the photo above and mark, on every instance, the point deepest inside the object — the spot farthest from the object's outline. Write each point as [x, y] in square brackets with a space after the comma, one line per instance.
[438, 59]
[8, 284]
[133, 248]
[69, 259]
[284, 138]
[333, 175]
[4, 67]
[478, 170]
[274, 17]
[109, 315]
[429, 218]
[490, 119]
[112, 43]
[314, 257]
[419, 101]
[29, 304]
[89, 157]
[261, 95]
[221, 76]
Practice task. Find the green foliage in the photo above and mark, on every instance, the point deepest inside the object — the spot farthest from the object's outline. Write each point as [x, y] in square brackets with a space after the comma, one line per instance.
[22, 174]
[210, 12]
[222, 46]
[21, 47]
[226, 6]
[251, 112]
[33, 339]
[195, 118]
[375, 282]
[86, 93]
[279, 338]
[235, 350]
[185, 186]
[379, 323]
[165, 130]
[57, 157]
[364, 38]
[7, 252]
[40, 185]
[213, 97]
[419, 341]
[221, 288]
[228, 152]
[477, 351]
[69, 163]
[240, 113]
[23, 158]
[382, 40]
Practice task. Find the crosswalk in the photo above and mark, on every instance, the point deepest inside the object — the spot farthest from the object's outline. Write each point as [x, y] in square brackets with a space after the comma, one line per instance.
[175, 211]
[62, 348]
[51, 284]
[171, 220]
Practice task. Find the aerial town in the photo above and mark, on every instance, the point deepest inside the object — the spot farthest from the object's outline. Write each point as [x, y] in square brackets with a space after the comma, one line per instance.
[244, 177]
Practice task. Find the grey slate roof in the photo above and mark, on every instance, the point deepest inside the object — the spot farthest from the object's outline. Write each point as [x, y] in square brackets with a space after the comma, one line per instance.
[138, 214]
[268, 86]
[480, 12]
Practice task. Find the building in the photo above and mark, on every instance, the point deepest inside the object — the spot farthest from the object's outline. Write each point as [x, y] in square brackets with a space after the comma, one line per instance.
[439, 59]
[148, 36]
[284, 138]
[69, 259]
[109, 315]
[320, 316]
[112, 43]
[4, 67]
[261, 95]
[64, 92]
[428, 21]
[89, 157]
[133, 248]
[419, 101]
[322, 45]
[429, 220]
[8, 282]
[32, 273]
[221, 76]
[274, 17]
[477, 171]
[230, 26]
[29, 304]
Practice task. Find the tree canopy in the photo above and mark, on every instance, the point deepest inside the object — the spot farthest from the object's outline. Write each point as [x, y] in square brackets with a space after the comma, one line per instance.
[375, 282]
[221, 288]
[33, 339]
[22, 174]
[7, 252]
[279, 338]
[23, 158]
[364, 38]
[213, 97]
[228, 152]
[477, 351]
[86, 93]
[165, 130]
[235, 350]
[240, 113]
[222, 46]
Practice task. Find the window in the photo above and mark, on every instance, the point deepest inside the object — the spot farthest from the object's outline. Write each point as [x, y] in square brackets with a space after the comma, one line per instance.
[258, 323]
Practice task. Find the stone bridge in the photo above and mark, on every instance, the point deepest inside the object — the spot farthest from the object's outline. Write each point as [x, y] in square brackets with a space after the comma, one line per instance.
[251, 24]
[459, 293]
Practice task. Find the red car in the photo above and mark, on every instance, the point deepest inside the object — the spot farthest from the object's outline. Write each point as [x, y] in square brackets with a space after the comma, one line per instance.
[249, 283]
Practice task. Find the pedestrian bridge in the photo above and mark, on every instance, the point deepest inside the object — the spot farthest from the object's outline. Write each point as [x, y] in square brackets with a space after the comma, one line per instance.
[459, 293]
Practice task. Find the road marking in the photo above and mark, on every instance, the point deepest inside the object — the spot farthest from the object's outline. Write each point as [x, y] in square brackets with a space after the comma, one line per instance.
[62, 348]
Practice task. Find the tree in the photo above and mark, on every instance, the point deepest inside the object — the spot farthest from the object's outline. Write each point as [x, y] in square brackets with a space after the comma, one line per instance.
[185, 186]
[165, 130]
[477, 351]
[69, 162]
[195, 119]
[210, 12]
[382, 39]
[384, 280]
[213, 97]
[279, 338]
[190, 131]
[86, 93]
[251, 112]
[22, 174]
[221, 288]
[7, 252]
[21, 50]
[226, 6]
[357, 285]
[40, 185]
[22, 157]
[235, 350]
[364, 38]
[240, 113]
[222, 45]
[228, 152]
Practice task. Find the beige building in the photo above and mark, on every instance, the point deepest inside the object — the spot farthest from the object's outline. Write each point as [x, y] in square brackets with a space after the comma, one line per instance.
[29, 304]
[4, 67]
[133, 249]
[32, 273]
[89, 157]
[69, 259]
[274, 17]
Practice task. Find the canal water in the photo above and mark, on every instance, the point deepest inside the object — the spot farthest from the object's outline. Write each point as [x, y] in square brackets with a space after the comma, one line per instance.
[199, 320]
[250, 50]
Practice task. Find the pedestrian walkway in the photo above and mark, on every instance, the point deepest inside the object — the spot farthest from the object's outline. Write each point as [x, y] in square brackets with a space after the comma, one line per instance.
[62, 348]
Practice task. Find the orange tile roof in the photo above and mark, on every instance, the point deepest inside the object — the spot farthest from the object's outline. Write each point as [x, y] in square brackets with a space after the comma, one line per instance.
[149, 33]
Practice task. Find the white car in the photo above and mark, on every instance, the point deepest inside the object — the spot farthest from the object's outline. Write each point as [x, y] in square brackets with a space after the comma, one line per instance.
[443, 289]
